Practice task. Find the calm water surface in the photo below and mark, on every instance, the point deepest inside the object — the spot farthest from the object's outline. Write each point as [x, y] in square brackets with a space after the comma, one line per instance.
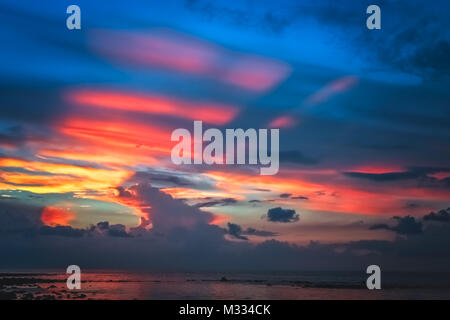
[302, 285]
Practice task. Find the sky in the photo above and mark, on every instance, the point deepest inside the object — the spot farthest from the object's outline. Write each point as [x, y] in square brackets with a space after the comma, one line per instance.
[86, 118]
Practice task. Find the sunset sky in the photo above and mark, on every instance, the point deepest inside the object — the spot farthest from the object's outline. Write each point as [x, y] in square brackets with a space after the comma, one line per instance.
[86, 118]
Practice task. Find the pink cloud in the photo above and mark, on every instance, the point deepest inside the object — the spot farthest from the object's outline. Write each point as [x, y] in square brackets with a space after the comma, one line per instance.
[169, 50]
[331, 89]
[283, 122]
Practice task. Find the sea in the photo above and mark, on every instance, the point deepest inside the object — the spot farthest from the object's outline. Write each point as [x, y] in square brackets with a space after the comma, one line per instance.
[317, 285]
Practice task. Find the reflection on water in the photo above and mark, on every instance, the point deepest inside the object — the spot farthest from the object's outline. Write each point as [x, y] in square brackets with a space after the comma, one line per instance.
[304, 285]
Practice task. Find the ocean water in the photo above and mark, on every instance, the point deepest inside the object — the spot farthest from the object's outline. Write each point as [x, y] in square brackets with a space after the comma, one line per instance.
[222, 286]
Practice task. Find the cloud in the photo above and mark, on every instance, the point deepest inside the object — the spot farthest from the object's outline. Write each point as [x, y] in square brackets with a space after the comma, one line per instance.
[391, 176]
[296, 157]
[215, 203]
[165, 212]
[433, 59]
[165, 178]
[174, 244]
[300, 198]
[237, 232]
[260, 233]
[286, 121]
[420, 51]
[282, 215]
[118, 230]
[440, 216]
[214, 113]
[405, 226]
[380, 226]
[160, 49]
[61, 231]
[285, 195]
[53, 216]
[19, 217]
[115, 230]
[425, 176]
[289, 195]
[330, 90]
[404, 46]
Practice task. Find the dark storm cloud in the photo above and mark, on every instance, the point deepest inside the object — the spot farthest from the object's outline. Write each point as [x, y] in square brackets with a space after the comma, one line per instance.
[285, 195]
[20, 219]
[115, 230]
[418, 45]
[405, 226]
[155, 177]
[104, 225]
[118, 230]
[260, 233]
[16, 217]
[123, 193]
[282, 215]
[216, 203]
[440, 216]
[421, 174]
[390, 176]
[237, 232]
[102, 228]
[61, 231]
[261, 189]
[290, 196]
[300, 198]
[166, 212]
[380, 226]
[433, 59]
[183, 239]
[169, 178]
[425, 250]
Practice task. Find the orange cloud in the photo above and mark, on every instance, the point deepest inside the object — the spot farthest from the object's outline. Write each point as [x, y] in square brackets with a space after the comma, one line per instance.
[46, 177]
[214, 113]
[52, 216]
[330, 196]
[121, 135]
